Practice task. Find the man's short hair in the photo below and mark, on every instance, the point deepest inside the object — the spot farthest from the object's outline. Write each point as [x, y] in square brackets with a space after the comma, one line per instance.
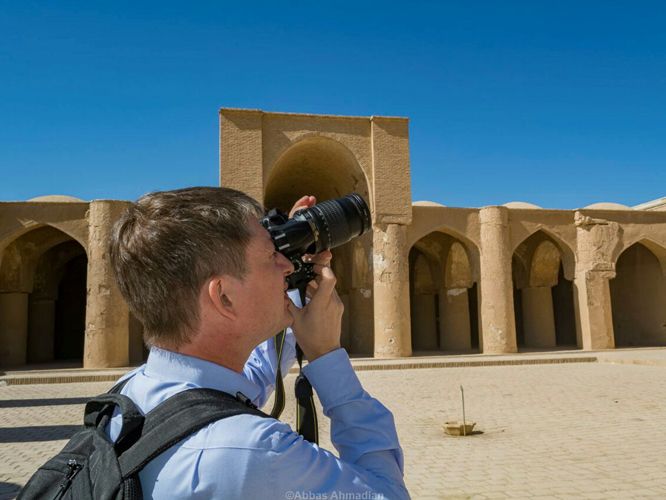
[168, 244]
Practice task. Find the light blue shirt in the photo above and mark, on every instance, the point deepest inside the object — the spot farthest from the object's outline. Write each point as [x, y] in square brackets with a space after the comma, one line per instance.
[250, 457]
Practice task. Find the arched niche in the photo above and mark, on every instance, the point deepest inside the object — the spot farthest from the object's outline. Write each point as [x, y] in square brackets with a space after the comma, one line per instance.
[528, 245]
[42, 298]
[638, 297]
[545, 266]
[543, 293]
[657, 249]
[438, 243]
[443, 295]
[423, 301]
[20, 228]
[327, 169]
[457, 270]
[21, 253]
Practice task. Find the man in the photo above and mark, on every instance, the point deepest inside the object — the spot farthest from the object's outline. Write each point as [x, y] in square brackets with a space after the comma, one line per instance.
[204, 278]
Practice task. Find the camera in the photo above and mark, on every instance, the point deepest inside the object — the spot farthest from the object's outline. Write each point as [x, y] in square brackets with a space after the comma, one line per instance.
[312, 230]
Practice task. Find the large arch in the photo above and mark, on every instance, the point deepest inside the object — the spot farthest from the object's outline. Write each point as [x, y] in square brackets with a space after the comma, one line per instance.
[444, 312]
[42, 298]
[327, 169]
[324, 165]
[638, 296]
[543, 293]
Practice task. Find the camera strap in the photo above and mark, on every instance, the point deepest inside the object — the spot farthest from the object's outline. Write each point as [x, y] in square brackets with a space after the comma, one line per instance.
[278, 401]
[307, 424]
[306, 414]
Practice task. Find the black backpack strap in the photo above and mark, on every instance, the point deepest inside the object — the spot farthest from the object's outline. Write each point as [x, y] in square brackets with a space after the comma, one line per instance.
[99, 411]
[178, 417]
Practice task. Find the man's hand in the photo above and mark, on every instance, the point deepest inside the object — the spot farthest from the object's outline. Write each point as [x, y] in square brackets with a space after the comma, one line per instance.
[318, 325]
[303, 202]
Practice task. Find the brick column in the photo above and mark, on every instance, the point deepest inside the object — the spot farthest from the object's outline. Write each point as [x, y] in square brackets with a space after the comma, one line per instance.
[595, 241]
[538, 317]
[593, 309]
[391, 291]
[498, 325]
[41, 332]
[107, 314]
[13, 328]
[454, 325]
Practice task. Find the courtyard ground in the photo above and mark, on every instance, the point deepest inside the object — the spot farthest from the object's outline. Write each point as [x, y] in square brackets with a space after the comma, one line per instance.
[563, 430]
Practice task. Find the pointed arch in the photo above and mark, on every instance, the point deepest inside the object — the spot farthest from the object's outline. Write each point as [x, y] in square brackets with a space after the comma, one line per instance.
[444, 314]
[543, 293]
[638, 296]
[44, 280]
[26, 226]
[31, 243]
[470, 248]
[658, 249]
[567, 253]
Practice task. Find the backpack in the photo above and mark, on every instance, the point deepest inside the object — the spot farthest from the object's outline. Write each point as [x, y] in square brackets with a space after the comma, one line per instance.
[91, 466]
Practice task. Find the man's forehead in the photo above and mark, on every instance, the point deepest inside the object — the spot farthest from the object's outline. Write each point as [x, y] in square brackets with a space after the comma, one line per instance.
[261, 234]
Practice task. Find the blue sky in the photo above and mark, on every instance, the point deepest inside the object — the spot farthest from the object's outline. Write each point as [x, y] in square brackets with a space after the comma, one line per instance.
[561, 104]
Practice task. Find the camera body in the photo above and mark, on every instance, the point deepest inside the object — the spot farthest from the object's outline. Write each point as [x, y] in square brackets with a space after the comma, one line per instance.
[312, 230]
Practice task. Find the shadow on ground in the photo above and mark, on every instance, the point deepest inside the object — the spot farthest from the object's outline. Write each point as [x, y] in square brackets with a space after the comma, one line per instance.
[37, 433]
[26, 403]
[8, 490]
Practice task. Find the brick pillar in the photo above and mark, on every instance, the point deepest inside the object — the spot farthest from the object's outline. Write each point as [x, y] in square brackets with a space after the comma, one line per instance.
[593, 309]
[595, 241]
[391, 291]
[454, 325]
[498, 325]
[107, 314]
[538, 317]
[41, 332]
[13, 328]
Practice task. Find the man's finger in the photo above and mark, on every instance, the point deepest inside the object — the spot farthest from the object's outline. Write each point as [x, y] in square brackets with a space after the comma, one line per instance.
[323, 258]
[311, 289]
[326, 284]
[319, 268]
[303, 202]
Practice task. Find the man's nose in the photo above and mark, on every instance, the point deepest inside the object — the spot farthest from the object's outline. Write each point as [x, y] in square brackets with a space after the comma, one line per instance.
[289, 266]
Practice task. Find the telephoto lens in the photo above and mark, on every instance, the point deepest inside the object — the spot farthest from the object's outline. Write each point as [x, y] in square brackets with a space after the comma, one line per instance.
[312, 230]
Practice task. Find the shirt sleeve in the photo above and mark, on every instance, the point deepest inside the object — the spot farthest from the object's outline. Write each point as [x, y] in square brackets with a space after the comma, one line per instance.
[261, 366]
[362, 430]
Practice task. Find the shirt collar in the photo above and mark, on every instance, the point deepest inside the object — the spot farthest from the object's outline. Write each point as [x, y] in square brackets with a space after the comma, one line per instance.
[172, 366]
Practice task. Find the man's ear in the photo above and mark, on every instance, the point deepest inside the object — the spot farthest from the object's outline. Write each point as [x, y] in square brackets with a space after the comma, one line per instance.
[219, 297]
